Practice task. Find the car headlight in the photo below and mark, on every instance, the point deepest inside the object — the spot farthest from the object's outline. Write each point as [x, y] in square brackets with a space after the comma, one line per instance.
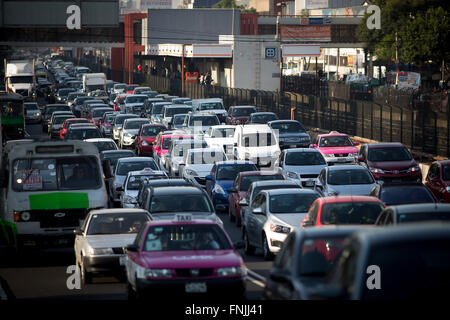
[219, 189]
[37, 114]
[145, 143]
[353, 154]
[377, 170]
[292, 175]
[127, 135]
[447, 189]
[230, 271]
[414, 169]
[191, 172]
[328, 155]
[279, 228]
[158, 273]
[219, 221]
[101, 251]
[25, 216]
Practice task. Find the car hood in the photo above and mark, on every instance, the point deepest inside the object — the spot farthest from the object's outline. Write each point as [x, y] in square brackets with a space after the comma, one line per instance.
[148, 139]
[333, 150]
[131, 193]
[130, 131]
[392, 165]
[292, 219]
[191, 259]
[225, 184]
[139, 104]
[354, 189]
[110, 240]
[106, 125]
[305, 169]
[219, 141]
[201, 169]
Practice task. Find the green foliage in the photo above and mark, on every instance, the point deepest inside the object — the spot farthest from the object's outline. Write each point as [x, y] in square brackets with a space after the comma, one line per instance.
[229, 4]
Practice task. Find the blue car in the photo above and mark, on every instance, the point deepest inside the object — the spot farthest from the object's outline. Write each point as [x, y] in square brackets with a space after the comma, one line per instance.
[221, 179]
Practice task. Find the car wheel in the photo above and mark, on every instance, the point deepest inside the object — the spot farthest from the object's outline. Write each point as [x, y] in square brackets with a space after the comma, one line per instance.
[86, 277]
[248, 249]
[230, 215]
[266, 251]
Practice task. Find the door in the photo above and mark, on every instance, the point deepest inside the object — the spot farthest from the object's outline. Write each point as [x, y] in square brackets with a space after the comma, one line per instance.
[433, 181]
[281, 276]
[252, 232]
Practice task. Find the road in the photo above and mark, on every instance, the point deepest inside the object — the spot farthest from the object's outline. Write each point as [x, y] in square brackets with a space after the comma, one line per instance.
[43, 275]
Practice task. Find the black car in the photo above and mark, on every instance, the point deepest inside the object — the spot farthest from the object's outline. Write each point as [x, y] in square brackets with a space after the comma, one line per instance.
[409, 213]
[262, 117]
[146, 188]
[291, 134]
[82, 133]
[402, 193]
[114, 155]
[48, 111]
[304, 260]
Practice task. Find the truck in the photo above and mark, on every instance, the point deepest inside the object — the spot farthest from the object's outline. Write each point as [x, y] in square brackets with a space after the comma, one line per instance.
[20, 78]
[94, 81]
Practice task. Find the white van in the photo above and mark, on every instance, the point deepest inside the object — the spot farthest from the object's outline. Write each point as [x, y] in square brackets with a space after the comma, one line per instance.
[257, 143]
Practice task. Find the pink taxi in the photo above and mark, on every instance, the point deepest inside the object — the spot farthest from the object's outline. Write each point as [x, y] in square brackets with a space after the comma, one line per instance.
[336, 147]
[184, 257]
[162, 145]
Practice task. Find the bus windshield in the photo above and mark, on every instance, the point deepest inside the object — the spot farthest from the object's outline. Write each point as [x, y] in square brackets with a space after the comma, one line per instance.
[48, 174]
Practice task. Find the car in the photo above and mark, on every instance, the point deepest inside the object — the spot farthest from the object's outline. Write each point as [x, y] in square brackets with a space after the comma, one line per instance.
[146, 113]
[175, 158]
[337, 148]
[163, 143]
[185, 100]
[118, 123]
[106, 123]
[238, 190]
[413, 213]
[290, 133]
[82, 132]
[87, 106]
[146, 137]
[68, 122]
[101, 239]
[239, 114]
[32, 112]
[155, 113]
[62, 94]
[221, 179]
[77, 105]
[166, 246]
[130, 88]
[129, 131]
[438, 180]
[170, 110]
[48, 111]
[198, 162]
[148, 186]
[165, 202]
[304, 261]
[390, 162]
[178, 120]
[221, 136]
[97, 114]
[256, 143]
[402, 193]
[125, 165]
[132, 183]
[199, 122]
[211, 105]
[261, 117]
[388, 259]
[139, 90]
[99, 94]
[344, 180]
[302, 164]
[355, 210]
[134, 103]
[56, 123]
[119, 88]
[119, 102]
[114, 155]
[72, 97]
[103, 144]
[272, 215]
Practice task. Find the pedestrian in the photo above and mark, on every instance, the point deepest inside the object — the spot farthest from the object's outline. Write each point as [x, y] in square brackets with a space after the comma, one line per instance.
[202, 78]
[208, 79]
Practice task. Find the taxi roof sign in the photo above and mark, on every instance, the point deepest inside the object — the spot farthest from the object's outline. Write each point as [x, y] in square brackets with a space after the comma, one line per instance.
[185, 217]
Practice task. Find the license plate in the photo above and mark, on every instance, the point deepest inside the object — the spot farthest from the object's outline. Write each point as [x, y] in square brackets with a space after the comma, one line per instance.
[62, 241]
[342, 160]
[122, 261]
[195, 287]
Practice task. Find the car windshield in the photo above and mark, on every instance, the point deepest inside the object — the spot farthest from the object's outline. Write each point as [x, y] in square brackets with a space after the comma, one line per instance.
[71, 122]
[115, 156]
[424, 216]
[350, 213]
[65, 173]
[246, 181]
[119, 86]
[317, 255]
[20, 79]
[180, 148]
[446, 173]
[389, 154]
[262, 139]
[99, 113]
[223, 133]
[229, 172]
[405, 195]
[291, 203]
[170, 112]
[350, 176]
[65, 92]
[186, 237]
[182, 202]
[50, 110]
[288, 127]
[31, 106]
[203, 121]
[151, 131]
[211, 106]
[304, 159]
[110, 118]
[209, 157]
[61, 119]
[335, 141]
[263, 118]
[116, 223]
[83, 134]
[179, 118]
[135, 181]
[105, 145]
[135, 124]
[125, 167]
[243, 112]
[157, 109]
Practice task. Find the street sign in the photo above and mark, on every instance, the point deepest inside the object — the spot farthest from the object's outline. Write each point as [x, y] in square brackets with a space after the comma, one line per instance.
[270, 53]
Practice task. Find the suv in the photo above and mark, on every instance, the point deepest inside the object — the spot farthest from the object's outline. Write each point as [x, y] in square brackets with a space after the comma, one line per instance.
[390, 161]
[169, 111]
[262, 117]
[199, 122]
[336, 147]
[402, 193]
[214, 105]
[134, 103]
[290, 133]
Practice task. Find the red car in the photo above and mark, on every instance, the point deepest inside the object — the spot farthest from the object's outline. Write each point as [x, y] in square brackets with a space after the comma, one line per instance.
[163, 143]
[65, 127]
[438, 180]
[130, 88]
[145, 138]
[239, 114]
[120, 100]
[240, 187]
[348, 210]
[390, 162]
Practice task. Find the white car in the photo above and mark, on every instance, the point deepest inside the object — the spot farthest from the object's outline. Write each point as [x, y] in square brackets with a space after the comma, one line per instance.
[174, 160]
[169, 111]
[199, 162]
[133, 181]
[134, 103]
[129, 131]
[101, 239]
[214, 105]
[103, 144]
[119, 88]
[221, 136]
[256, 143]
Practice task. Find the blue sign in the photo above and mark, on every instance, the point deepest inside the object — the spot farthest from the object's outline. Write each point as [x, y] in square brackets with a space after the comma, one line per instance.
[270, 53]
[315, 20]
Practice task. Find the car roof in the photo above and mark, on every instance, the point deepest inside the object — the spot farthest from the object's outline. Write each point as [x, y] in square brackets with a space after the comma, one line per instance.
[346, 167]
[118, 210]
[333, 134]
[147, 172]
[421, 207]
[204, 150]
[223, 126]
[177, 190]
[301, 150]
[407, 184]
[278, 192]
[329, 231]
[165, 222]
[238, 107]
[167, 182]
[99, 140]
[258, 173]
[153, 125]
[268, 183]
[385, 145]
[283, 121]
[230, 162]
[136, 159]
[82, 127]
[173, 106]
[338, 199]
[262, 113]
[123, 115]
[137, 120]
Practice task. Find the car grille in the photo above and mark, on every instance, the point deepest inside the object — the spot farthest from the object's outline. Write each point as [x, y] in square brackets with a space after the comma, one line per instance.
[194, 273]
[47, 218]
[201, 181]
[309, 176]
[341, 154]
[118, 250]
[396, 171]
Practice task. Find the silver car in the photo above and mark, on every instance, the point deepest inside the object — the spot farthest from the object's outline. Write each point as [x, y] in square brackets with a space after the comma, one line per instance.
[129, 131]
[174, 158]
[344, 180]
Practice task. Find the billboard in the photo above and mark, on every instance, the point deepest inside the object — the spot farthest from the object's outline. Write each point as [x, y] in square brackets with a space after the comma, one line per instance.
[316, 4]
[301, 32]
[154, 4]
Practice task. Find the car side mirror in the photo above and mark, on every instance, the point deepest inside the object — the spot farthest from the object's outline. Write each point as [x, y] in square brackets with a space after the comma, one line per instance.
[307, 223]
[239, 245]
[243, 203]
[208, 177]
[132, 248]
[258, 211]
[313, 145]
[78, 232]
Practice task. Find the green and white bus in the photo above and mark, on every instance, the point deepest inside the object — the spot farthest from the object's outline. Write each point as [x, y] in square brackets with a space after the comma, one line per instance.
[49, 189]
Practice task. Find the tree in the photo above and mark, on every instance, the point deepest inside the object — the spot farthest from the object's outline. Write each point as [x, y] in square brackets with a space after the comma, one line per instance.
[230, 4]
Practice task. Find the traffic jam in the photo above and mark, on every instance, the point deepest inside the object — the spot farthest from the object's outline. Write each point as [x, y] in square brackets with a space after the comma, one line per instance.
[178, 196]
